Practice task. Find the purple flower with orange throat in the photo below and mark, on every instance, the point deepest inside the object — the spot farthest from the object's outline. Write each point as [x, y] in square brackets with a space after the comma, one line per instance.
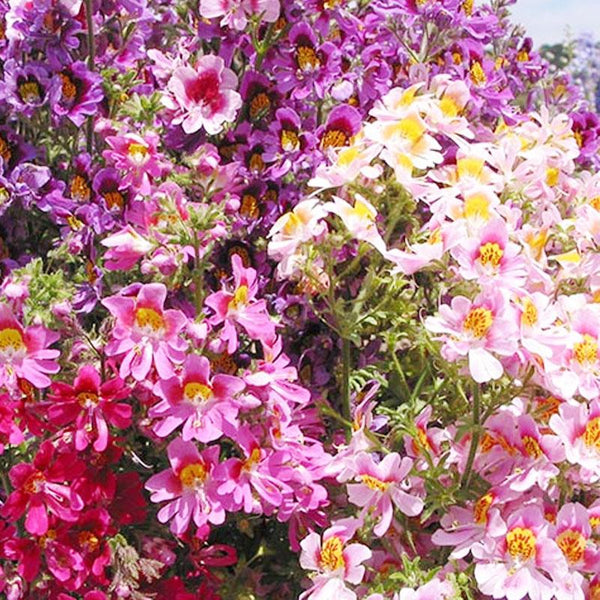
[25, 88]
[13, 150]
[343, 123]
[79, 93]
[108, 185]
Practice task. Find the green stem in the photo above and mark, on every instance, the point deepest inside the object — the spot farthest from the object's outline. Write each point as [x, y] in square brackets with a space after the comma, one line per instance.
[197, 276]
[346, 411]
[474, 439]
[91, 42]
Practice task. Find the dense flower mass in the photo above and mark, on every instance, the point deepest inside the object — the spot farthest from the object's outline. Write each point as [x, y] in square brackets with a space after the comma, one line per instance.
[299, 301]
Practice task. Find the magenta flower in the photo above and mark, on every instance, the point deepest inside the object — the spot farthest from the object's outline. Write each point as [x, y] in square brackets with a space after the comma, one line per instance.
[203, 404]
[203, 97]
[188, 486]
[334, 561]
[145, 333]
[258, 476]
[92, 406]
[378, 490]
[241, 307]
[138, 157]
[24, 352]
[40, 488]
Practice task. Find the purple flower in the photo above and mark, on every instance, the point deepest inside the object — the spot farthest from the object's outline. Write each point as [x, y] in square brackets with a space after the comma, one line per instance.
[25, 88]
[79, 93]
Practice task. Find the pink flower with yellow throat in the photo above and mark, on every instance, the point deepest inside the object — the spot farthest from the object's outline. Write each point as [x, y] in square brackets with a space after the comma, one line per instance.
[334, 560]
[145, 334]
[24, 352]
[478, 329]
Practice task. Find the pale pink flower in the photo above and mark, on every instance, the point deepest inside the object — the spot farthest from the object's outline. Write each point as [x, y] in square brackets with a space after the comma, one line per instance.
[578, 427]
[235, 12]
[523, 561]
[379, 489]
[334, 561]
[146, 334]
[203, 97]
[188, 487]
[358, 219]
[432, 590]
[476, 330]
[573, 534]
[125, 248]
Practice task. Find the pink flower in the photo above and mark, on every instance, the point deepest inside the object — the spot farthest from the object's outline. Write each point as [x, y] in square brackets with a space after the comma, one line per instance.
[24, 352]
[379, 489]
[255, 478]
[145, 333]
[189, 487]
[125, 248]
[235, 12]
[92, 405]
[578, 427]
[573, 536]
[202, 404]
[334, 561]
[241, 307]
[476, 329]
[203, 97]
[138, 157]
[524, 561]
[432, 590]
[40, 488]
[491, 258]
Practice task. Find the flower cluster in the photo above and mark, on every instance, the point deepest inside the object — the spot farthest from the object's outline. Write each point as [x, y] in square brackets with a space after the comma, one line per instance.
[299, 300]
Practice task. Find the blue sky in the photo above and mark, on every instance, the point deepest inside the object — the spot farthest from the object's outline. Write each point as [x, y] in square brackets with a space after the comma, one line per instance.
[546, 20]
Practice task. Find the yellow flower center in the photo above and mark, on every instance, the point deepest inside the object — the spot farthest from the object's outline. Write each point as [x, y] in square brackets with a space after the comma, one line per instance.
[529, 316]
[334, 138]
[470, 167]
[552, 174]
[197, 392]
[138, 153]
[252, 460]
[11, 339]
[409, 128]
[532, 447]
[87, 399]
[449, 107]
[307, 58]
[259, 106]
[523, 56]
[595, 522]
[572, 543]
[595, 202]
[331, 557]
[490, 254]
[362, 210]
[478, 322]
[468, 7]
[591, 435]
[240, 297]
[478, 76]
[30, 91]
[373, 483]
[149, 318]
[80, 190]
[289, 140]
[586, 351]
[193, 474]
[477, 206]
[482, 507]
[520, 543]
[594, 592]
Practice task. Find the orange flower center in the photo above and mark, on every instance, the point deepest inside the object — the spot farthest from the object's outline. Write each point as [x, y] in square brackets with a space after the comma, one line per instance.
[252, 460]
[249, 207]
[88, 540]
[80, 190]
[148, 318]
[307, 58]
[5, 151]
[572, 543]
[69, 89]
[591, 435]
[34, 484]
[289, 140]
[373, 483]
[11, 340]
[482, 507]
[478, 322]
[586, 351]
[334, 138]
[259, 106]
[88, 399]
[532, 447]
[529, 316]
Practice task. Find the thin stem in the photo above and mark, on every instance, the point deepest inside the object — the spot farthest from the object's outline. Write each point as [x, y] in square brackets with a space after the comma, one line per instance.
[346, 411]
[474, 439]
[91, 42]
